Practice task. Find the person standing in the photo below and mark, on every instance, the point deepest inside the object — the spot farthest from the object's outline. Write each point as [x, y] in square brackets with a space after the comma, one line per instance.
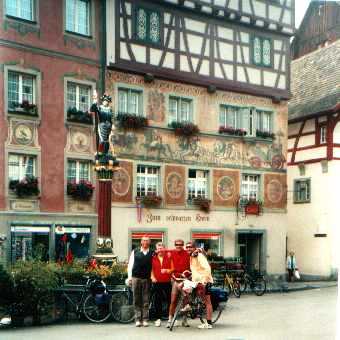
[139, 274]
[162, 267]
[201, 273]
[291, 265]
[181, 262]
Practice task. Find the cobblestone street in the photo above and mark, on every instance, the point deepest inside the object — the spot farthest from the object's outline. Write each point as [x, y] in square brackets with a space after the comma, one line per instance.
[304, 315]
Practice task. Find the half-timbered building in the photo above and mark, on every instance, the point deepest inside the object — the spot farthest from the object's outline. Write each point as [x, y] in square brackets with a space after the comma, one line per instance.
[221, 71]
[314, 161]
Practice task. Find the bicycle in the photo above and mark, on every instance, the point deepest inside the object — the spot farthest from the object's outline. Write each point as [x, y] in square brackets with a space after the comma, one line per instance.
[232, 283]
[197, 304]
[255, 281]
[94, 302]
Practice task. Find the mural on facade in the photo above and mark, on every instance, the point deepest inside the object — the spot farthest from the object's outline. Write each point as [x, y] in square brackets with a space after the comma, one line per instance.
[226, 187]
[156, 106]
[122, 183]
[275, 191]
[174, 184]
[154, 144]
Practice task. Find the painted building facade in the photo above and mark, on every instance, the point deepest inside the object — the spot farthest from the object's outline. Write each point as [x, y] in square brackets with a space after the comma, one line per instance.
[224, 67]
[50, 65]
[313, 162]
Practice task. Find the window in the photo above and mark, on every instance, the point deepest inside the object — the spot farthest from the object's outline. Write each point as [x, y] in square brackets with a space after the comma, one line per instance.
[147, 25]
[21, 166]
[78, 171]
[262, 51]
[302, 191]
[78, 96]
[230, 116]
[130, 101]
[147, 180]
[323, 134]
[180, 109]
[155, 237]
[210, 242]
[30, 242]
[72, 242]
[23, 9]
[197, 184]
[78, 16]
[250, 186]
[21, 88]
[264, 121]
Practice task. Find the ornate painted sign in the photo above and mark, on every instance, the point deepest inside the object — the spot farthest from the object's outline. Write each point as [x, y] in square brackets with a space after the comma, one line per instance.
[226, 187]
[275, 191]
[122, 183]
[174, 185]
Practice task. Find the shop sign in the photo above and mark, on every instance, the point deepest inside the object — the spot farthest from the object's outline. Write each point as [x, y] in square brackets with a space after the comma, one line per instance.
[149, 218]
[71, 230]
[30, 229]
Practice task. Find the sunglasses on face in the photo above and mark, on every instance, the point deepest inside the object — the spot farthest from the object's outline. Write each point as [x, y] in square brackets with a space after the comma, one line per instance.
[179, 245]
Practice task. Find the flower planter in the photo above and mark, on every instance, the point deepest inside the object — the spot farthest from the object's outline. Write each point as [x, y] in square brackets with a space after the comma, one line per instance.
[202, 203]
[130, 121]
[265, 134]
[150, 201]
[26, 187]
[24, 108]
[76, 116]
[185, 129]
[80, 191]
[228, 130]
[251, 207]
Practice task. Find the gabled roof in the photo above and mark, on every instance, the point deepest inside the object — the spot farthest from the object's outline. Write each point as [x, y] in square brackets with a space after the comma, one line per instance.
[315, 82]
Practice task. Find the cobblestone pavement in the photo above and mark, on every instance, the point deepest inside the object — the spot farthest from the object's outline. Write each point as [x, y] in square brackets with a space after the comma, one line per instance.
[303, 315]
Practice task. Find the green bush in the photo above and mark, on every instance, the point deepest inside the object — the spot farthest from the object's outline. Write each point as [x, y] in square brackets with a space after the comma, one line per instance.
[34, 285]
[6, 288]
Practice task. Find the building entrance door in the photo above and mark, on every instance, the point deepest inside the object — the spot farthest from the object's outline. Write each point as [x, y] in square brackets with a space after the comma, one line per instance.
[250, 246]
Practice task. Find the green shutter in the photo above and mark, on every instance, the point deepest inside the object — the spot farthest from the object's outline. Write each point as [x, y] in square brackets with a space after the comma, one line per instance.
[244, 119]
[222, 116]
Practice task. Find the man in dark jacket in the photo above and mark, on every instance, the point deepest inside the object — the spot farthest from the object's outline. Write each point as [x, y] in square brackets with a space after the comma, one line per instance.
[139, 275]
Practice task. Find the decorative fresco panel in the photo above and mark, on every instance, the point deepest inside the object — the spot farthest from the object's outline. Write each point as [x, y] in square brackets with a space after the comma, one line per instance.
[174, 185]
[80, 140]
[275, 191]
[163, 145]
[23, 133]
[122, 183]
[226, 187]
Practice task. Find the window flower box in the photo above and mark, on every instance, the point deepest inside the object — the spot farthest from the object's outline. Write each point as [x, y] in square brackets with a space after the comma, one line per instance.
[24, 108]
[80, 191]
[131, 121]
[202, 203]
[265, 134]
[76, 116]
[231, 131]
[251, 206]
[185, 129]
[26, 187]
[150, 201]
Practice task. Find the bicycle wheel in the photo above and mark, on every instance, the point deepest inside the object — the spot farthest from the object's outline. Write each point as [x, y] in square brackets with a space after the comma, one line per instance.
[236, 288]
[177, 311]
[259, 286]
[96, 312]
[121, 308]
[244, 282]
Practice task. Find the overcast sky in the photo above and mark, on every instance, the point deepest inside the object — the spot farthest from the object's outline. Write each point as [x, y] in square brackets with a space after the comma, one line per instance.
[300, 10]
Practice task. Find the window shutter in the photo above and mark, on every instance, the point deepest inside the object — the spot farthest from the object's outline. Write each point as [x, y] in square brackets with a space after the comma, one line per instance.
[222, 117]
[140, 104]
[173, 109]
[244, 119]
[266, 52]
[257, 51]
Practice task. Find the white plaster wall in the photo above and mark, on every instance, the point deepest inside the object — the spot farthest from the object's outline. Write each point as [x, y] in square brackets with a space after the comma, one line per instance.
[269, 78]
[293, 129]
[336, 152]
[305, 155]
[275, 224]
[315, 256]
[336, 133]
[306, 141]
[309, 126]
[291, 142]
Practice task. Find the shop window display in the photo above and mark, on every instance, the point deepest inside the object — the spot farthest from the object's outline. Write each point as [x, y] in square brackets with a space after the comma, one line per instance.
[30, 243]
[210, 242]
[72, 243]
